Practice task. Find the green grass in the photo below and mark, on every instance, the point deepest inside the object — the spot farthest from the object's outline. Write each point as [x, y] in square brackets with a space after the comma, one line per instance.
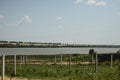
[62, 72]
[57, 72]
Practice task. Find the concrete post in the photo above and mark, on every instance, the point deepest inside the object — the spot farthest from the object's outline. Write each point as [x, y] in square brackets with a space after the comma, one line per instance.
[61, 59]
[111, 60]
[21, 61]
[25, 59]
[14, 64]
[3, 67]
[70, 61]
[29, 59]
[96, 62]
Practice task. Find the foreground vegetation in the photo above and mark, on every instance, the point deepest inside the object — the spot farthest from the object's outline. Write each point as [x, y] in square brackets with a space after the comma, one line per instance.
[62, 72]
[47, 67]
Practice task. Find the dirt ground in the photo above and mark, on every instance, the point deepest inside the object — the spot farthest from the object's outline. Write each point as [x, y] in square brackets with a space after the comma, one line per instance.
[15, 78]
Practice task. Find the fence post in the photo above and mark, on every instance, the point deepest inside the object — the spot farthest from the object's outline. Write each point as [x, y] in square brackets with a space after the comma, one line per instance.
[111, 60]
[3, 67]
[23, 60]
[61, 59]
[96, 62]
[26, 60]
[55, 60]
[70, 61]
[92, 59]
[29, 59]
[14, 64]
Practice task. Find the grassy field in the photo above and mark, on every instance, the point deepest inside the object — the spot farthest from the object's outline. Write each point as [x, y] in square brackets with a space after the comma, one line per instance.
[58, 72]
[45, 71]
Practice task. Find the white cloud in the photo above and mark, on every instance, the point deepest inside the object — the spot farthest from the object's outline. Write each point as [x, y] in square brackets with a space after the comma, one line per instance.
[59, 18]
[97, 3]
[78, 1]
[25, 19]
[2, 17]
[101, 3]
[91, 2]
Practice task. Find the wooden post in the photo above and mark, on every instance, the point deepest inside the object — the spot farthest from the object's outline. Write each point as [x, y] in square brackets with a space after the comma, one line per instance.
[61, 59]
[14, 64]
[3, 67]
[96, 62]
[111, 60]
[70, 61]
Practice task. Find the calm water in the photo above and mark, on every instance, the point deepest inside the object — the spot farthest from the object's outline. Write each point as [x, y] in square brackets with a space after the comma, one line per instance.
[48, 51]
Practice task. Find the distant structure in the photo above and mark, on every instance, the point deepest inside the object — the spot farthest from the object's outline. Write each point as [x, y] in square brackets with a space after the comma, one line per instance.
[27, 44]
[15, 44]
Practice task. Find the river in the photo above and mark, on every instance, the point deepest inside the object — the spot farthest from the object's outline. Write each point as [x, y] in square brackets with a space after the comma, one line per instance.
[50, 51]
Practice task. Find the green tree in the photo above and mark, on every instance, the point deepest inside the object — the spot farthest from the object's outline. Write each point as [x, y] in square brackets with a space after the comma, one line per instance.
[91, 53]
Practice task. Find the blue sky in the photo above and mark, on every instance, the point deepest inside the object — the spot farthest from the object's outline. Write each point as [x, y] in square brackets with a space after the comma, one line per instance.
[65, 21]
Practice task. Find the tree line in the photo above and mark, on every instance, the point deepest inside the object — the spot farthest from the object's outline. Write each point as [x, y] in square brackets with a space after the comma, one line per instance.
[19, 44]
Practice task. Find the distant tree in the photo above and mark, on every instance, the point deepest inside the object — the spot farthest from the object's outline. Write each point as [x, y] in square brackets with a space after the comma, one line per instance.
[118, 51]
[4, 41]
[91, 53]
